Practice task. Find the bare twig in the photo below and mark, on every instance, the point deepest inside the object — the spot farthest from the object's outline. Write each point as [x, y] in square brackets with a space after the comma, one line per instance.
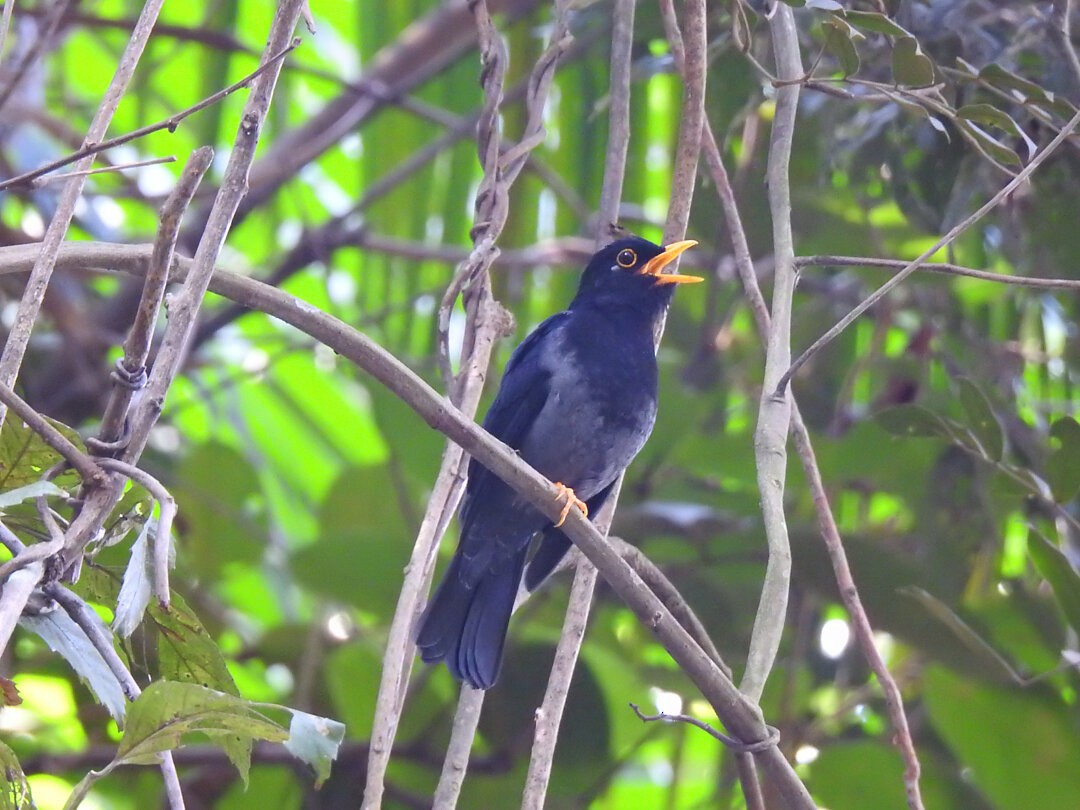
[19, 334]
[940, 267]
[549, 715]
[137, 346]
[84, 465]
[5, 25]
[849, 595]
[1061, 32]
[93, 147]
[916, 263]
[456, 763]
[486, 321]
[774, 413]
[184, 309]
[618, 142]
[117, 167]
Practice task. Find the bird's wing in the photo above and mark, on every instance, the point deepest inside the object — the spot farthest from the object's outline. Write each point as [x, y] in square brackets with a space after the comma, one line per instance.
[525, 387]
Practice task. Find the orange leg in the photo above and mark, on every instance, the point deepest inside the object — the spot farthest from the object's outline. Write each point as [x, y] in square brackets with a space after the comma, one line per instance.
[563, 492]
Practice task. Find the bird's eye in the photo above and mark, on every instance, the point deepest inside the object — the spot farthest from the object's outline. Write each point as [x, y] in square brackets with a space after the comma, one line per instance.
[626, 258]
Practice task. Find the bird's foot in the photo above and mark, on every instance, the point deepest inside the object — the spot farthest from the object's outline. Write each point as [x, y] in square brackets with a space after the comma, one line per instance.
[563, 492]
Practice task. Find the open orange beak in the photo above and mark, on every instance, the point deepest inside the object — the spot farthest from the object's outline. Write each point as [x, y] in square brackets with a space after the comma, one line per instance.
[655, 265]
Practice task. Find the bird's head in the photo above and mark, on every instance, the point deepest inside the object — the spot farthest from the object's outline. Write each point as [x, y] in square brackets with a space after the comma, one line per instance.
[629, 271]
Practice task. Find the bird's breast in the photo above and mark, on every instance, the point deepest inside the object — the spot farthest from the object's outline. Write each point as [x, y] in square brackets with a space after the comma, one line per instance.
[600, 409]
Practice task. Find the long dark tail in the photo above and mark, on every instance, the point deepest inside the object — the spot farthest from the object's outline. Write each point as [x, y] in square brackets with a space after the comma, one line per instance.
[466, 625]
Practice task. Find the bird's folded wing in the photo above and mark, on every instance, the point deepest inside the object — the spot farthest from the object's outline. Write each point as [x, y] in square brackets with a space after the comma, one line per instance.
[525, 388]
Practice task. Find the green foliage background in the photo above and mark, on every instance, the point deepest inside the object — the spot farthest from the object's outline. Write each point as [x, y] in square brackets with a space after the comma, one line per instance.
[942, 420]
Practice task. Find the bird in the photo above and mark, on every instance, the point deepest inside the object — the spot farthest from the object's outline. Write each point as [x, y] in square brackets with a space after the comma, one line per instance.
[577, 401]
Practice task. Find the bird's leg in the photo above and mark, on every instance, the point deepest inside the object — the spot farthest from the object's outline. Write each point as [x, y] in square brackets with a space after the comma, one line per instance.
[563, 492]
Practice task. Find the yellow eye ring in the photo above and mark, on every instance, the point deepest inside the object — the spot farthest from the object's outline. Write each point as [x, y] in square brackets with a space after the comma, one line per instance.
[626, 258]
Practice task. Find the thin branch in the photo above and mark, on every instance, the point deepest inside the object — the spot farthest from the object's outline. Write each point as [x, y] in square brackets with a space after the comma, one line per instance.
[549, 715]
[774, 413]
[185, 306]
[91, 473]
[618, 142]
[137, 346]
[5, 25]
[849, 595]
[456, 763]
[116, 167]
[34, 293]
[93, 147]
[1061, 32]
[940, 267]
[918, 262]
[486, 322]
[740, 747]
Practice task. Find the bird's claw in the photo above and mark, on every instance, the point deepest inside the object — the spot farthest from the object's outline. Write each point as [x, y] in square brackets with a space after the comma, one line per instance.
[563, 492]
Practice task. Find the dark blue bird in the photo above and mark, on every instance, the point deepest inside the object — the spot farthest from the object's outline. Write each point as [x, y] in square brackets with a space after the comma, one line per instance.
[577, 402]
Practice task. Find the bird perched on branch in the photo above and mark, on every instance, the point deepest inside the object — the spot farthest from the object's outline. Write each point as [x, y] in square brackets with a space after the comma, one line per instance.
[577, 402]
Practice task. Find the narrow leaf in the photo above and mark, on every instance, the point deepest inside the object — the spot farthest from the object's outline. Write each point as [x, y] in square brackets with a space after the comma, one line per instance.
[964, 632]
[1063, 578]
[25, 493]
[136, 588]
[64, 636]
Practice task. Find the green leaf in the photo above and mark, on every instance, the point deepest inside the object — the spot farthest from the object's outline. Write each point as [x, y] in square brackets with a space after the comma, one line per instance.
[167, 712]
[910, 66]
[982, 649]
[991, 116]
[1019, 747]
[839, 40]
[1063, 465]
[913, 420]
[14, 789]
[993, 148]
[983, 422]
[186, 652]
[1055, 568]
[25, 457]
